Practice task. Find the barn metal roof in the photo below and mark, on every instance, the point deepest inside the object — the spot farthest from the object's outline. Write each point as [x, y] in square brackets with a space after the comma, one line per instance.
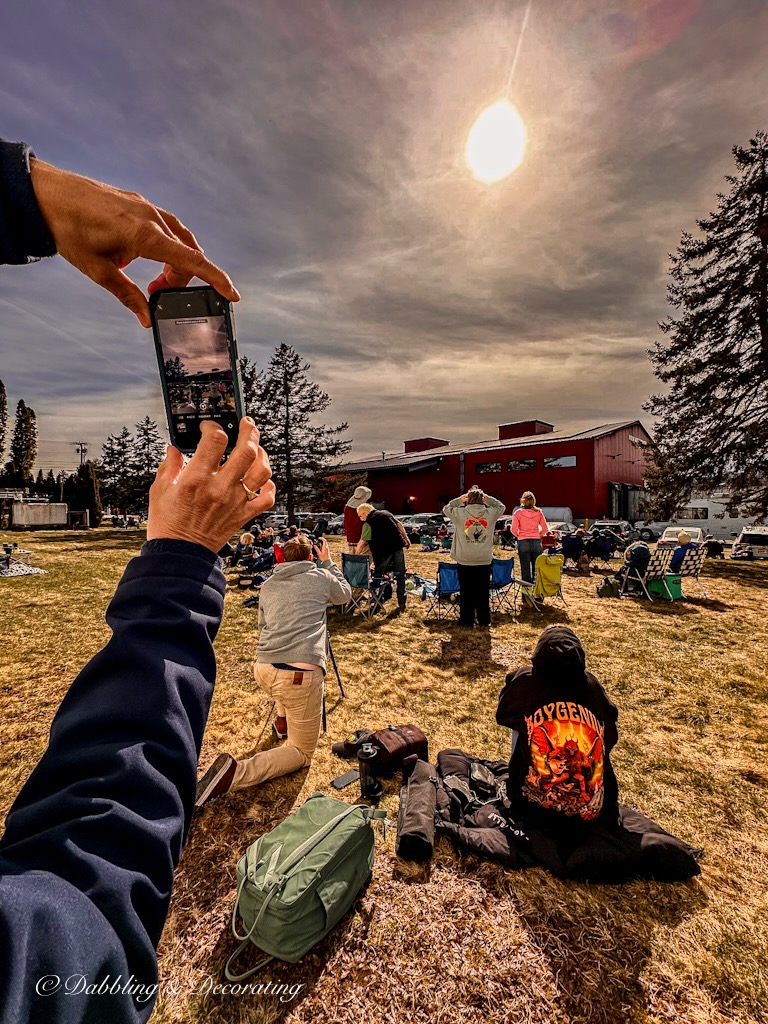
[416, 460]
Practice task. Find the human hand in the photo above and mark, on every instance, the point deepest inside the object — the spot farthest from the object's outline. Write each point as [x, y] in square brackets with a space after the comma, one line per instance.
[204, 502]
[321, 547]
[100, 229]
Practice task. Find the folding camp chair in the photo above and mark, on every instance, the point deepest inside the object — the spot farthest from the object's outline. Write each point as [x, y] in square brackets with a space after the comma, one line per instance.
[446, 543]
[572, 549]
[691, 567]
[502, 585]
[357, 572]
[440, 591]
[657, 568]
[258, 565]
[601, 548]
[548, 581]
[428, 543]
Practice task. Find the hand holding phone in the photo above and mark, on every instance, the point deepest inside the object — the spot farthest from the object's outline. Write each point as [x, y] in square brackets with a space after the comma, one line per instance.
[321, 547]
[197, 355]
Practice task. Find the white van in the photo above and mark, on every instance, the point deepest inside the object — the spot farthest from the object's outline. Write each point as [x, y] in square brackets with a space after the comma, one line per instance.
[702, 512]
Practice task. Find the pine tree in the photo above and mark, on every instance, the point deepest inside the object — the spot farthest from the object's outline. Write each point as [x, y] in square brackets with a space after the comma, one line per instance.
[116, 470]
[148, 453]
[23, 445]
[284, 403]
[3, 420]
[712, 425]
[50, 487]
[148, 447]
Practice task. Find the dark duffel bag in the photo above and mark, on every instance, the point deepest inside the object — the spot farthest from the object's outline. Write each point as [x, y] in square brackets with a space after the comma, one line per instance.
[395, 743]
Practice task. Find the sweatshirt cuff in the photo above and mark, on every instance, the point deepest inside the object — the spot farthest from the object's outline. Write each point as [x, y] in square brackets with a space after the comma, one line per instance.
[29, 235]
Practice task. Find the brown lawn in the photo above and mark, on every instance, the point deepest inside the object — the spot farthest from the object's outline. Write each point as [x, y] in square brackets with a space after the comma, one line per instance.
[461, 940]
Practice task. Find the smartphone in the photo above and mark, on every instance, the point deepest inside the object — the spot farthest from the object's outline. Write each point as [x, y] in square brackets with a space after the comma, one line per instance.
[346, 779]
[197, 354]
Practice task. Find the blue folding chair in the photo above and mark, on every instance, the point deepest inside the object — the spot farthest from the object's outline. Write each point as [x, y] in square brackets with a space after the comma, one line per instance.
[356, 570]
[440, 591]
[503, 585]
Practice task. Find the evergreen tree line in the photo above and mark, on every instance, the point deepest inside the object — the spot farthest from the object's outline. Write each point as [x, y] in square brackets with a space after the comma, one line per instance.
[287, 407]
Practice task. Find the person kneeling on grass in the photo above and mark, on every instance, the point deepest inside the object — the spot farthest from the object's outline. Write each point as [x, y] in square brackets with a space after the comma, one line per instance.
[290, 666]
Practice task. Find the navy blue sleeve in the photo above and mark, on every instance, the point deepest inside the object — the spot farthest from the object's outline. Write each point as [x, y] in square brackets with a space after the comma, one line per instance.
[24, 235]
[92, 840]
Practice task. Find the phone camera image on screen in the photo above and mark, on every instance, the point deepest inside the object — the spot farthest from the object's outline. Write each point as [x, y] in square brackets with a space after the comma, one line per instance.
[198, 372]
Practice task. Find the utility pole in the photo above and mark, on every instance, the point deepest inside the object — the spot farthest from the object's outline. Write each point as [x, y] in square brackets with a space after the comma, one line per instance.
[81, 447]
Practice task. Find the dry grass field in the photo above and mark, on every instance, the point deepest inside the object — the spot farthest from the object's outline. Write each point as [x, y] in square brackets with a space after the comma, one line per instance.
[461, 941]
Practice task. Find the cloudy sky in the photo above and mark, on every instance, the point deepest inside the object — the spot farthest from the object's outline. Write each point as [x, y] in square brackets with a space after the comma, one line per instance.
[316, 148]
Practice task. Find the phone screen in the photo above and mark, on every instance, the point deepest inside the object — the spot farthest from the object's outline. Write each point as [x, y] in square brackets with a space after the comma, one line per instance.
[198, 364]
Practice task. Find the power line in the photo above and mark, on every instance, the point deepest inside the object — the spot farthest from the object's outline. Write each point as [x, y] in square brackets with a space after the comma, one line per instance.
[81, 447]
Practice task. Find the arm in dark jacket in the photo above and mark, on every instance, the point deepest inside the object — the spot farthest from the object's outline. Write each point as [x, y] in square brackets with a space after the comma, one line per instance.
[24, 236]
[91, 843]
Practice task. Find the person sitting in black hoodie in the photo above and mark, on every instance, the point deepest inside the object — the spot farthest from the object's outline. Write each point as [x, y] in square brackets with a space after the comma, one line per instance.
[562, 788]
[564, 728]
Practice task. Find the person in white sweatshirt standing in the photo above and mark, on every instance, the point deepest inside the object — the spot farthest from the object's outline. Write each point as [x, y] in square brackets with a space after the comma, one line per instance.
[474, 516]
[529, 526]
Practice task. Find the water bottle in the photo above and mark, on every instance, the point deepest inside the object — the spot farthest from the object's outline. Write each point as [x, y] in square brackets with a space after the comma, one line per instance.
[370, 787]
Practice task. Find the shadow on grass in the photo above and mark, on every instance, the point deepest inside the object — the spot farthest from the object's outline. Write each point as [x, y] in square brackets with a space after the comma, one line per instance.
[221, 832]
[752, 574]
[464, 651]
[597, 939]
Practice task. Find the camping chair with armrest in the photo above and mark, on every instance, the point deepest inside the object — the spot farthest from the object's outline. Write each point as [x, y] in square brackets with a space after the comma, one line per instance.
[548, 581]
[446, 543]
[503, 585]
[439, 592]
[655, 569]
[356, 570]
[602, 547]
[691, 567]
[261, 564]
[572, 550]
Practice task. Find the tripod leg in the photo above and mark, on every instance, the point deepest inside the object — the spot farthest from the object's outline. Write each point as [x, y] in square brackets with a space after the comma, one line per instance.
[335, 669]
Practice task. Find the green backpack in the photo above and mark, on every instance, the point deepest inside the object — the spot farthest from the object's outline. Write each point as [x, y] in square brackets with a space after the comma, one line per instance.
[297, 881]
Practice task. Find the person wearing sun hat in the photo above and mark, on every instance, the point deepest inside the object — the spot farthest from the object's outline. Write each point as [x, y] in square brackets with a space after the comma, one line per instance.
[353, 525]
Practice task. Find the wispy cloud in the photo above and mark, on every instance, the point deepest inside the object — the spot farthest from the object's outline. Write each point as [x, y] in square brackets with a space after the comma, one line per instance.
[316, 149]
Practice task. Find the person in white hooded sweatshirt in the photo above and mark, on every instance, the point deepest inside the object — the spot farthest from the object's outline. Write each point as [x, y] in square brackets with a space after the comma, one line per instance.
[474, 516]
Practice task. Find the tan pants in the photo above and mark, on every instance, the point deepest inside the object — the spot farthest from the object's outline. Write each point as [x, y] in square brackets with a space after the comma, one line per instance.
[298, 697]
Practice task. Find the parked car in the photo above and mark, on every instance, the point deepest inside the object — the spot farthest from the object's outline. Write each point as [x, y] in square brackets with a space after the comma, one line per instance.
[336, 526]
[277, 521]
[623, 529]
[751, 543]
[561, 529]
[668, 539]
[424, 522]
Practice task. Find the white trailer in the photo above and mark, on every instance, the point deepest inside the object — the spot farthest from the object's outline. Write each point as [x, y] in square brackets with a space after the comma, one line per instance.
[37, 515]
[705, 511]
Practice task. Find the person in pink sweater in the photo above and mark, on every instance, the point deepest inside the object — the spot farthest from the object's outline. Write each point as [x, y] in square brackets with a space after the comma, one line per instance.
[529, 526]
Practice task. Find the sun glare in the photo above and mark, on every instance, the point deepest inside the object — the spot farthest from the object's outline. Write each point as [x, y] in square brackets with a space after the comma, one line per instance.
[496, 142]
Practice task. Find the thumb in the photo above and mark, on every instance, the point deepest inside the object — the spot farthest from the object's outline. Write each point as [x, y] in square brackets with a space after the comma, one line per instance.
[170, 468]
[111, 278]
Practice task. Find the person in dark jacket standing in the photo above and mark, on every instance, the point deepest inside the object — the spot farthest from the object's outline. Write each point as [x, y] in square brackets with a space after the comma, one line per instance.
[387, 539]
[563, 730]
[474, 517]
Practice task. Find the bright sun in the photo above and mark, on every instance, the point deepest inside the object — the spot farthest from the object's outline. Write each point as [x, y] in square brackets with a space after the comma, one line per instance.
[496, 142]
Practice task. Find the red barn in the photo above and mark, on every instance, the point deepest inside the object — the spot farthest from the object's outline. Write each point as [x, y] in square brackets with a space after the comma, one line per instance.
[597, 473]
